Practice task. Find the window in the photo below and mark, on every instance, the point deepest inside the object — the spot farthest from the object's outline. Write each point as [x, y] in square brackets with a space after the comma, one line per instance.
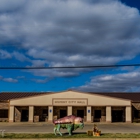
[3, 113]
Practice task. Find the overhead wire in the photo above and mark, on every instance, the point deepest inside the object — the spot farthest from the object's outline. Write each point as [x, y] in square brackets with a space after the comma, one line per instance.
[72, 67]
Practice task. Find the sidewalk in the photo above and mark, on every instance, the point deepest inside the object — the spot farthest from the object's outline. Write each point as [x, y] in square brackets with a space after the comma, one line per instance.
[41, 127]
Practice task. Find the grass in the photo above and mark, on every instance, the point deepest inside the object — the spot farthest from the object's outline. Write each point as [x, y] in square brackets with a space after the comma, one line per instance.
[75, 135]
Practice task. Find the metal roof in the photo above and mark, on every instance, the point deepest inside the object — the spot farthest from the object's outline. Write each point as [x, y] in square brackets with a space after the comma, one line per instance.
[13, 95]
[135, 97]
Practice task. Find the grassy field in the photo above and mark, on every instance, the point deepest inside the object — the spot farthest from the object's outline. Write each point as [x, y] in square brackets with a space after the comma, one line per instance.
[75, 135]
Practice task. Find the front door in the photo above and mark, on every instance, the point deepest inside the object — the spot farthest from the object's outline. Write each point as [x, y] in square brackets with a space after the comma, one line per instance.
[63, 113]
[97, 115]
[24, 115]
[80, 113]
[117, 116]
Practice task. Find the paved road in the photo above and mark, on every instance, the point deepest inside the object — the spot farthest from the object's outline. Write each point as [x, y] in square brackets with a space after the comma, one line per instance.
[48, 128]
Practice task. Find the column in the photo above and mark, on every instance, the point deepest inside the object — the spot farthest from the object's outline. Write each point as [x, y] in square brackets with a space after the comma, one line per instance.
[11, 114]
[31, 113]
[69, 110]
[128, 114]
[50, 113]
[88, 113]
[108, 114]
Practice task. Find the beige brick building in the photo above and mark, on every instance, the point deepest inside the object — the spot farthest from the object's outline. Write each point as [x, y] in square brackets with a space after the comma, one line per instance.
[92, 107]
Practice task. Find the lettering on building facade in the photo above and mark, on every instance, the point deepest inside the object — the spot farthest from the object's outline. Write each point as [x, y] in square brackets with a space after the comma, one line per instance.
[69, 102]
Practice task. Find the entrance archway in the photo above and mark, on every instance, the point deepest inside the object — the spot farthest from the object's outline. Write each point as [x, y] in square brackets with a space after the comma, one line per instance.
[59, 112]
[118, 114]
[80, 111]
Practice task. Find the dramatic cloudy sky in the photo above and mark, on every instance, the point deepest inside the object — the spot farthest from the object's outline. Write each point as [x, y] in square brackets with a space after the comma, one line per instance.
[54, 33]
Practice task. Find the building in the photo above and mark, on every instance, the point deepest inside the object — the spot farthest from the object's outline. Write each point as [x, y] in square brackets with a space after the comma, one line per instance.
[46, 106]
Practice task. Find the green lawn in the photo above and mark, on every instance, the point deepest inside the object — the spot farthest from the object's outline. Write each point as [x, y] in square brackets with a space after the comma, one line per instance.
[75, 135]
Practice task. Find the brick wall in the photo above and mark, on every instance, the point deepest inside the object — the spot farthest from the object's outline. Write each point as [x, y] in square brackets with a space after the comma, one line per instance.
[4, 105]
[38, 113]
[74, 111]
[103, 114]
[18, 111]
[56, 111]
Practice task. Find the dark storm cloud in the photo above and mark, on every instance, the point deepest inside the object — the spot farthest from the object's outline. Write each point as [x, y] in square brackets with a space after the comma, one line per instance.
[70, 32]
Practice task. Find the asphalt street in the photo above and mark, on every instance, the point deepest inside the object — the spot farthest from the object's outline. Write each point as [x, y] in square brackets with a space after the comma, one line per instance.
[48, 128]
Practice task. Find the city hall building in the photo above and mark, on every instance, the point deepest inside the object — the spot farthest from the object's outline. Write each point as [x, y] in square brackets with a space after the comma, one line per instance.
[47, 106]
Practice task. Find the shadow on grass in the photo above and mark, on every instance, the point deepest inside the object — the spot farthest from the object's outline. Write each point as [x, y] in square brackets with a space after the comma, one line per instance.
[77, 133]
[74, 135]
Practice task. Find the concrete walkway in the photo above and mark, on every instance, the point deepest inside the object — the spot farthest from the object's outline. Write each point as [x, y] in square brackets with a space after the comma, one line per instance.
[48, 128]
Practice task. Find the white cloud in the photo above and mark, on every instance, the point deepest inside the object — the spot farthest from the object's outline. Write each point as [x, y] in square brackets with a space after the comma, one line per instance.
[11, 80]
[38, 63]
[41, 80]
[20, 77]
[19, 56]
[114, 82]
[51, 73]
[4, 54]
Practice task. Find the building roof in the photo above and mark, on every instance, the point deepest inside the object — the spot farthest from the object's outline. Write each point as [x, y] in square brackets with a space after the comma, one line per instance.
[4, 96]
[13, 95]
[134, 97]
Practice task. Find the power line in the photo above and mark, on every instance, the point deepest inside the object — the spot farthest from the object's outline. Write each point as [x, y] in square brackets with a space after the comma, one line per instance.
[72, 67]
